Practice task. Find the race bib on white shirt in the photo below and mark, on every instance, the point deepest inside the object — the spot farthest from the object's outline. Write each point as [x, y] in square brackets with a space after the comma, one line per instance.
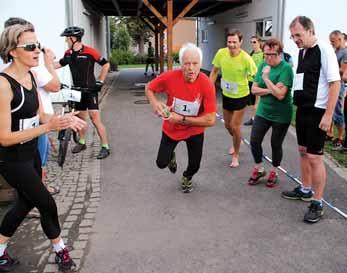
[229, 87]
[186, 108]
[29, 123]
[298, 82]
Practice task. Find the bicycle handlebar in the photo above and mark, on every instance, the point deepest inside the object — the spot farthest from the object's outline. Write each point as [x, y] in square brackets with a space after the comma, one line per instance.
[97, 88]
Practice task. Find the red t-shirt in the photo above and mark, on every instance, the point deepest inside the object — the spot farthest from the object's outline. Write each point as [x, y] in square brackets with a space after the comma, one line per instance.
[188, 99]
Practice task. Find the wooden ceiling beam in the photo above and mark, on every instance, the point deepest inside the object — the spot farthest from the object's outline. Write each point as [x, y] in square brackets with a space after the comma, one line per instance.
[185, 11]
[162, 18]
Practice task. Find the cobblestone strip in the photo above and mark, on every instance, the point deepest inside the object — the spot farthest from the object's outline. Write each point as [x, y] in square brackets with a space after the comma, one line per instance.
[77, 202]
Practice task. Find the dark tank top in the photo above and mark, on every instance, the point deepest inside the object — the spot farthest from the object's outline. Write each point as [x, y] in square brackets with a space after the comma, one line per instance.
[24, 108]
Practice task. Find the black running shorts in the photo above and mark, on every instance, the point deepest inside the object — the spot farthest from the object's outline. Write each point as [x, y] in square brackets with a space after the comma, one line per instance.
[89, 101]
[230, 104]
[308, 132]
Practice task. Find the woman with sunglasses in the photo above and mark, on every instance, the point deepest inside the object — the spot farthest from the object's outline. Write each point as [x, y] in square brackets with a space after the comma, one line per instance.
[273, 84]
[258, 57]
[22, 120]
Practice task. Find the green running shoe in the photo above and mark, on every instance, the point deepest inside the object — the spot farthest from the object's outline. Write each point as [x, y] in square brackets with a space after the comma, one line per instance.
[186, 185]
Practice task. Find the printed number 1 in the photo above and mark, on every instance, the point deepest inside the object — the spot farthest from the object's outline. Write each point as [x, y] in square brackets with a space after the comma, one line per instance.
[185, 108]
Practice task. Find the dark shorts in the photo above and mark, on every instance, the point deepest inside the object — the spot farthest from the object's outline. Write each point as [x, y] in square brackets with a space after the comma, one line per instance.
[251, 97]
[230, 104]
[308, 132]
[89, 101]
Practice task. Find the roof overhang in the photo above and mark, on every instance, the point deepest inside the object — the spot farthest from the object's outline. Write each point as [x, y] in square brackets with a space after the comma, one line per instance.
[203, 8]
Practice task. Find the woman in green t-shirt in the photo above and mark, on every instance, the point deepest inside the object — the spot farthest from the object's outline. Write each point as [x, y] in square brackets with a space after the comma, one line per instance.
[273, 84]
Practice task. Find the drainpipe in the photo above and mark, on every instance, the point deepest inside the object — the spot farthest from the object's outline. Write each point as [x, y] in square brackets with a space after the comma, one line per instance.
[197, 31]
[280, 18]
[68, 12]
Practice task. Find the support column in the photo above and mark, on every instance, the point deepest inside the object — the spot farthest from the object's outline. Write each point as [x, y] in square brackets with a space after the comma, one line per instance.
[169, 33]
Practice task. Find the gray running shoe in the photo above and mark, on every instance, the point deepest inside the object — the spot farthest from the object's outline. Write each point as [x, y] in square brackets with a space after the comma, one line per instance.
[297, 194]
[314, 213]
[79, 148]
[103, 153]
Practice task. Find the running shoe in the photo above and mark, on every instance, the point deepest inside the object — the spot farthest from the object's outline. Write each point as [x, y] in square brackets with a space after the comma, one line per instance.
[314, 213]
[186, 185]
[297, 194]
[272, 179]
[103, 153]
[336, 144]
[79, 148]
[173, 164]
[64, 261]
[7, 263]
[256, 175]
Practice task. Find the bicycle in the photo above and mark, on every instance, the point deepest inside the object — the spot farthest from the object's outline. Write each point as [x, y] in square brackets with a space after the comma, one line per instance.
[71, 94]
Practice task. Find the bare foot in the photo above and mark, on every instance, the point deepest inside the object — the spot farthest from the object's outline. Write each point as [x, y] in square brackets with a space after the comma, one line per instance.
[231, 151]
[234, 162]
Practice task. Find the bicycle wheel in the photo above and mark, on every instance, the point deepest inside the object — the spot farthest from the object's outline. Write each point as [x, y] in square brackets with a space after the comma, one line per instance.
[63, 146]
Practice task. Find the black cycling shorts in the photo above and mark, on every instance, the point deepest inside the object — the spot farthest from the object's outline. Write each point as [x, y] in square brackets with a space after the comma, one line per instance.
[308, 133]
[89, 101]
[231, 104]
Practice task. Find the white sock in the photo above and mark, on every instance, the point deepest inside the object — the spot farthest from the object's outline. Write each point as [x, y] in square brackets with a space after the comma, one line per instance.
[305, 190]
[59, 246]
[2, 249]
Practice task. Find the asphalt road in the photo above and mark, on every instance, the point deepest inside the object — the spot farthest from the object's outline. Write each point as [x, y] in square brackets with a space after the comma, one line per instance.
[145, 224]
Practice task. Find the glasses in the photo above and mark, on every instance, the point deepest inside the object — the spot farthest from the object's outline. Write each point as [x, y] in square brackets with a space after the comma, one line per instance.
[270, 54]
[253, 42]
[30, 47]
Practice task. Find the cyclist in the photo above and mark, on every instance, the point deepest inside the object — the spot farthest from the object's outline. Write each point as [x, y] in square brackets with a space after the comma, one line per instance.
[81, 60]
[236, 67]
[191, 96]
[21, 114]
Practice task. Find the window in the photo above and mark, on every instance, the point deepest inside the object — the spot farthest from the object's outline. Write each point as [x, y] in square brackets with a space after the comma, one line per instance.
[204, 36]
[263, 27]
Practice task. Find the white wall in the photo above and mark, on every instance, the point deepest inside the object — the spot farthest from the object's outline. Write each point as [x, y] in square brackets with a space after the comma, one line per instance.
[326, 15]
[40, 14]
[242, 18]
[50, 18]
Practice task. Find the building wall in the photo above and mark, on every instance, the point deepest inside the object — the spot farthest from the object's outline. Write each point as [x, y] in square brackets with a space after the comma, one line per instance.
[242, 18]
[326, 15]
[183, 32]
[50, 18]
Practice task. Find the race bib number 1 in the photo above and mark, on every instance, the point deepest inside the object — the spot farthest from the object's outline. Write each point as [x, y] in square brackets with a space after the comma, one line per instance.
[186, 108]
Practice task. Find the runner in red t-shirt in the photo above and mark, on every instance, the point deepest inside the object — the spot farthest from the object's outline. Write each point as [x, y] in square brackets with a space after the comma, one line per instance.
[190, 107]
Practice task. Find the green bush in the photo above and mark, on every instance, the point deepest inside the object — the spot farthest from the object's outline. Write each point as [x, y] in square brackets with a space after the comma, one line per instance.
[140, 58]
[120, 56]
[175, 57]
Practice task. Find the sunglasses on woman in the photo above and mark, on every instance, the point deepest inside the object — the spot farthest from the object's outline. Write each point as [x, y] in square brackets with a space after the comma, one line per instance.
[30, 47]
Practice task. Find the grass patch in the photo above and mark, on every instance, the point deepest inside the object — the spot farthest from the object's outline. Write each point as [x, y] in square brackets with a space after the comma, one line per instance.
[124, 66]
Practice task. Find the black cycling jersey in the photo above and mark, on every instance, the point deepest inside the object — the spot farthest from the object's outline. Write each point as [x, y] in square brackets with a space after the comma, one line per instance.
[81, 64]
[24, 107]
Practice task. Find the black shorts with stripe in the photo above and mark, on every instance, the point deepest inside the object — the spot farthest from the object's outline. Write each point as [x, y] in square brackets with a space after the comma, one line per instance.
[308, 133]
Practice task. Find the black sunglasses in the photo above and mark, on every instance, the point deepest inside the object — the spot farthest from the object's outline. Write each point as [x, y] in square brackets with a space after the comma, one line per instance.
[253, 42]
[30, 47]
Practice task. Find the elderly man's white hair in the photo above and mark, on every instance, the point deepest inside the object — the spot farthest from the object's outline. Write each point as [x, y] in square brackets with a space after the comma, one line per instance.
[189, 46]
